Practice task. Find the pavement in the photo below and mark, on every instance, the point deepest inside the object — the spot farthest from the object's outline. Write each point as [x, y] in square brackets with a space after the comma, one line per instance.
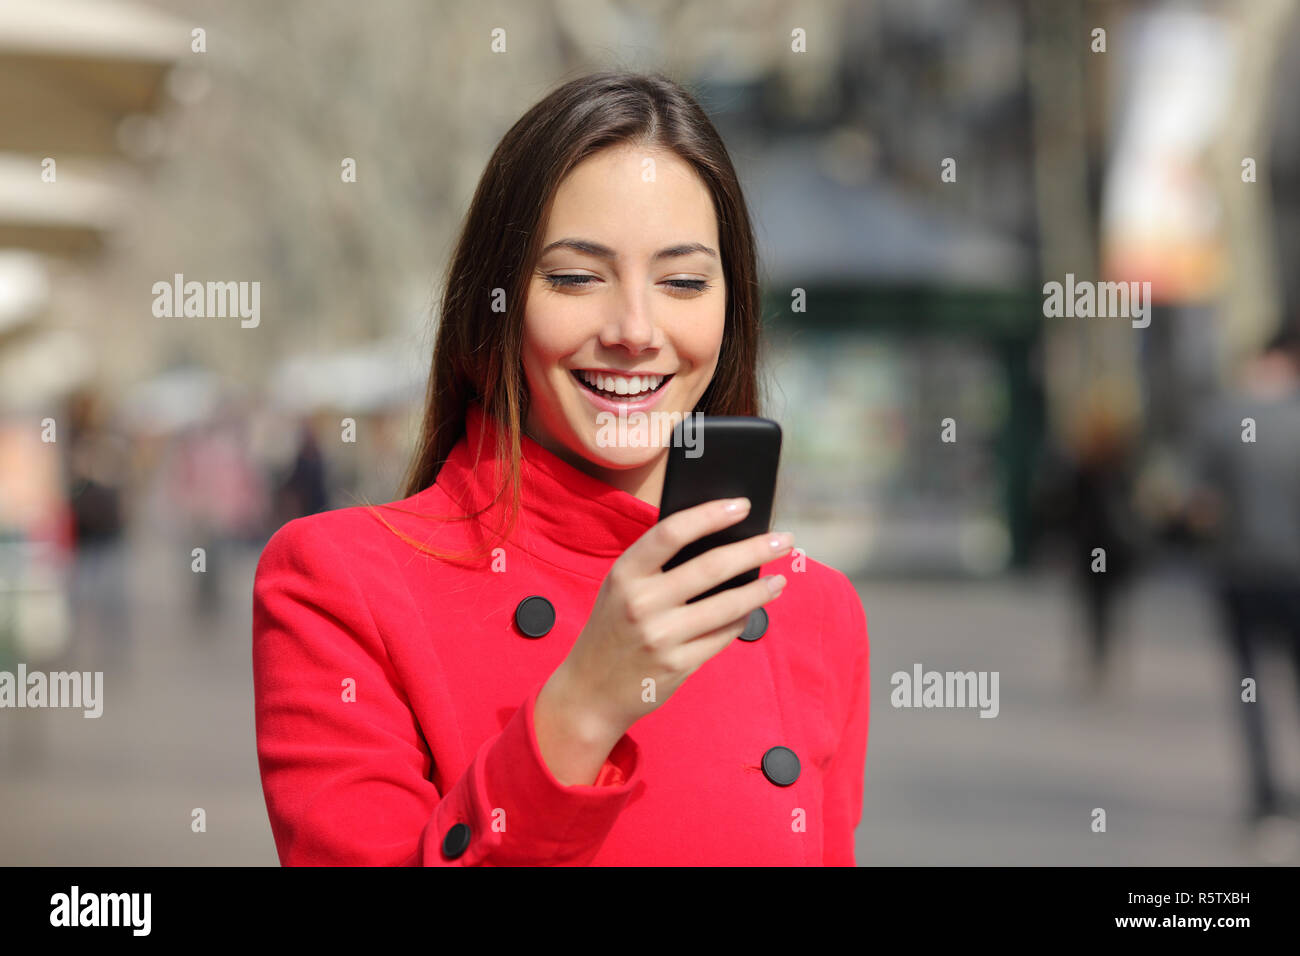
[1158, 749]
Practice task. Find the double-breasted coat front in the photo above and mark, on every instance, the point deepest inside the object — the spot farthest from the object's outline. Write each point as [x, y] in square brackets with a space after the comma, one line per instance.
[394, 692]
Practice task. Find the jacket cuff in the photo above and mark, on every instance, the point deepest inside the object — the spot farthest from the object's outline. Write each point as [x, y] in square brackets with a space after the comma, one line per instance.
[519, 814]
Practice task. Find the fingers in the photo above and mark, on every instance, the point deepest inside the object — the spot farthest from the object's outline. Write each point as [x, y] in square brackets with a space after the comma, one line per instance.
[693, 621]
[721, 564]
[693, 653]
[649, 553]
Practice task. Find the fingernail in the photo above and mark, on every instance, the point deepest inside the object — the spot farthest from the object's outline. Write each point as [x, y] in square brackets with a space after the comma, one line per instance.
[781, 540]
[737, 505]
[776, 583]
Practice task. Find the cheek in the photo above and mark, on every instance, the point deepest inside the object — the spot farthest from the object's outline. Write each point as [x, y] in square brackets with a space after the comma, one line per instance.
[541, 348]
[700, 339]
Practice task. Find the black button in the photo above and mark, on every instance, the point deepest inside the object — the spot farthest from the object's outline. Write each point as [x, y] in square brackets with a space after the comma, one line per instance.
[535, 616]
[756, 626]
[456, 841]
[781, 766]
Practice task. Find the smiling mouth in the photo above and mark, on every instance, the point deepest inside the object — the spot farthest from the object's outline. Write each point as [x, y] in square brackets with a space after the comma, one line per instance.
[605, 386]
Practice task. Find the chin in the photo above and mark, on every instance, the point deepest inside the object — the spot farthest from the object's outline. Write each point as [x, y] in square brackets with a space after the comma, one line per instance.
[618, 459]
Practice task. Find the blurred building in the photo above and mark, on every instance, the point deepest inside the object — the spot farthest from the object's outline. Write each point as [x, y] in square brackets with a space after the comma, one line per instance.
[75, 78]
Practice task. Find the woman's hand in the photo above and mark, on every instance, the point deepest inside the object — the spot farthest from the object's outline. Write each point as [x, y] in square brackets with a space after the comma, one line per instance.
[641, 627]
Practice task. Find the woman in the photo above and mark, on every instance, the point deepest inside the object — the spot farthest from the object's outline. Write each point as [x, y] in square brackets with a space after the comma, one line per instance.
[494, 670]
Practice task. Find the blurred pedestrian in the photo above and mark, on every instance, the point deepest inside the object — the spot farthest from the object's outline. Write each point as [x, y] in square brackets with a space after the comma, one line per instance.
[224, 496]
[1102, 526]
[1248, 463]
[97, 473]
[303, 490]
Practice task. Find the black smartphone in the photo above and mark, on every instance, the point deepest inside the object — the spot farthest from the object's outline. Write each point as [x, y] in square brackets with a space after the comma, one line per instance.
[722, 456]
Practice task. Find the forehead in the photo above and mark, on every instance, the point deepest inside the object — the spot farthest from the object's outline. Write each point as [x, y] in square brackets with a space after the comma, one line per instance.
[633, 198]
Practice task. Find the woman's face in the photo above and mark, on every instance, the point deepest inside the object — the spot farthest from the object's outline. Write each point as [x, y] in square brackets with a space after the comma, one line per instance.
[629, 284]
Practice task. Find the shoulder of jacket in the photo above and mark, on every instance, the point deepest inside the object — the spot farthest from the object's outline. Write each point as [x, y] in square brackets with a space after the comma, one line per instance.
[830, 587]
[351, 535]
[826, 577]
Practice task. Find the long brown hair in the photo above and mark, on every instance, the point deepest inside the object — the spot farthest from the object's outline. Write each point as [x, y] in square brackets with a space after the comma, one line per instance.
[478, 352]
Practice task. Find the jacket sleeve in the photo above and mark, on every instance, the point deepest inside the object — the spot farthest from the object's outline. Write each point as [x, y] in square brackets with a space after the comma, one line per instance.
[345, 769]
[845, 774]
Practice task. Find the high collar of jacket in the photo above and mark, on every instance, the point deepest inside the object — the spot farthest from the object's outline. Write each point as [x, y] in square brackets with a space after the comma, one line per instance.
[566, 517]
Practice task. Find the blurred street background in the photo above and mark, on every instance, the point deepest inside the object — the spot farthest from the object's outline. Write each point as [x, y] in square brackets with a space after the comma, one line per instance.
[920, 172]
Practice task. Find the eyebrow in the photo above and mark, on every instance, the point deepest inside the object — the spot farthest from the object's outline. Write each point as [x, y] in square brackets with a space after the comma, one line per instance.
[600, 251]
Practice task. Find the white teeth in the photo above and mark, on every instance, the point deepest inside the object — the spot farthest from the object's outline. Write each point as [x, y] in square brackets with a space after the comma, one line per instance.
[621, 385]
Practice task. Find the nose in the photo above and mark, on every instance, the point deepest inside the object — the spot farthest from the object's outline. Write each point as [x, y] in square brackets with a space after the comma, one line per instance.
[633, 328]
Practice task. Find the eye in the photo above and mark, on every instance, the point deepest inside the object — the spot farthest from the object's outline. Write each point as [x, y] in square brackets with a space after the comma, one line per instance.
[563, 280]
[690, 285]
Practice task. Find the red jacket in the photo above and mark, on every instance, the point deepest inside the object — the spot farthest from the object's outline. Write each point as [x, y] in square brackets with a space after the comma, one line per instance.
[435, 761]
